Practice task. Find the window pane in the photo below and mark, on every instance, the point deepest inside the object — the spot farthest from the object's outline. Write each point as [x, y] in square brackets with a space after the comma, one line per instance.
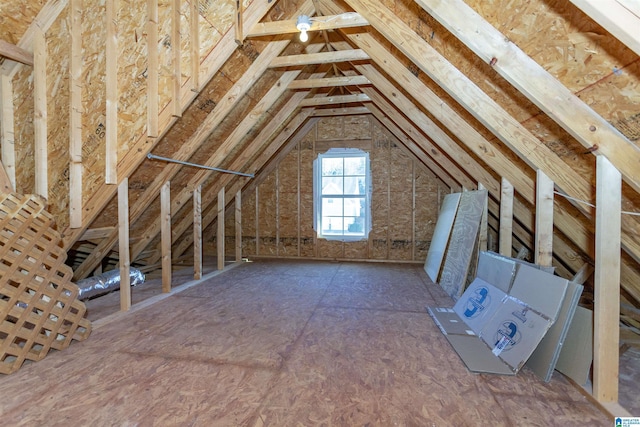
[352, 207]
[354, 185]
[354, 226]
[332, 225]
[331, 185]
[332, 166]
[354, 166]
[331, 207]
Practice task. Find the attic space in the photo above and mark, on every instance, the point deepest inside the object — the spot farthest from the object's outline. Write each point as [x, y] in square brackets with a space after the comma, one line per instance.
[191, 190]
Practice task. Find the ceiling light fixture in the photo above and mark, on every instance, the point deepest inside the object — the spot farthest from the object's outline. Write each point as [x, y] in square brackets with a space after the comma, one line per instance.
[303, 24]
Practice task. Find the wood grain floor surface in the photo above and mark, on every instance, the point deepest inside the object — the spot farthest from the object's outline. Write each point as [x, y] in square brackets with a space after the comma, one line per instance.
[283, 343]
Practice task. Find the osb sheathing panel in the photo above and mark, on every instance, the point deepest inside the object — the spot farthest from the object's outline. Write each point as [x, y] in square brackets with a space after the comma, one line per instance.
[166, 46]
[267, 216]
[58, 42]
[24, 131]
[132, 66]
[249, 223]
[16, 16]
[93, 97]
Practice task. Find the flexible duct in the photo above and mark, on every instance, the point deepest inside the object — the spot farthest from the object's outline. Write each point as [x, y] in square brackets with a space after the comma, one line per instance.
[106, 282]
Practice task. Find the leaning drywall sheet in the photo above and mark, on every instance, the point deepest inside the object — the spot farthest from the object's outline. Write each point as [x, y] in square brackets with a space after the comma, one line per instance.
[478, 304]
[542, 291]
[577, 351]
[441, 235]
[497, 270]
[462, 242]
[544, 358]
[514, 332]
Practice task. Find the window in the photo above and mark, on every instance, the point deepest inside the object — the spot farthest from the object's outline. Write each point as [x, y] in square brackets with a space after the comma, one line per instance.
[342, 195]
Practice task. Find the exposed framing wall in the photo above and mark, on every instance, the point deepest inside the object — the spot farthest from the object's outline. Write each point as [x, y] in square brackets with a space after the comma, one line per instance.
[278, 217]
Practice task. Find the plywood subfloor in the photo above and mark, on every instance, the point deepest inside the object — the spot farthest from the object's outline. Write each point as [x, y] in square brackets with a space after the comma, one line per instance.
[276, 343]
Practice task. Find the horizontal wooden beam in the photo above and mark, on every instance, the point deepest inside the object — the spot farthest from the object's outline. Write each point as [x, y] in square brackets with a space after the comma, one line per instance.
[329, 82]
[320, 58]
[346, 111]
[15, 53]
[318, 23]
[338, 99]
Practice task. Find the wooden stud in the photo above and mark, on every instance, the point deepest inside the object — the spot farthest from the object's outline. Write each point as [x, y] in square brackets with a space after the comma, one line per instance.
[238, 218]
[257, 195]
[238, 24]
[544, 220]
[194, 40]
[607, 281]
[123, 251]
[197, 233]
[506, 218]
[6, 128]
[40, 113]
[165, 222]
[152, 70]
[220, 235]
[111, 83]
[277, 185]
[5, 182]
[75, 115]
[482, 233]
[176, 46]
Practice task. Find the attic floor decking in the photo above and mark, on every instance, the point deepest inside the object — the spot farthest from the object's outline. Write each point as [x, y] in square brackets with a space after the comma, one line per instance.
[283, 343]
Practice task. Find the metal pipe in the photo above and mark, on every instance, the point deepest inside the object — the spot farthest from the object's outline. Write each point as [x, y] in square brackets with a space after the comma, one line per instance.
[153, 156]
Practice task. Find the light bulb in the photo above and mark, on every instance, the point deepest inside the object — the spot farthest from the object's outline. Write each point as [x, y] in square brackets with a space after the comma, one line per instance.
[303, 24]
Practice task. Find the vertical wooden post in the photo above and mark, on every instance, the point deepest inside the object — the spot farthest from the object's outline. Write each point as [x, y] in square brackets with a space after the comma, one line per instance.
[40, 112]
[152, 69]
[176, 46]
[506, 218]
[277, 210]
[197, 233]
[111, 85]
[413, 210]
[220, 238]
[544, 220]
[238, 216]
[257, 220]
[123, 243]
[6, 128]
[75, 116]
[195, 46]
[607, 282]
[238, 26]
[484, 226]
[165, 231]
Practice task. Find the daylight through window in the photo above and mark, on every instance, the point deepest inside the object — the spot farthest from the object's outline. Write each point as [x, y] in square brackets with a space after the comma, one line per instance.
[342, 194]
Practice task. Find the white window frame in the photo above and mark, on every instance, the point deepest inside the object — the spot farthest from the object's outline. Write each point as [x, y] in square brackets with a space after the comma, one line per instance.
[318, 197]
